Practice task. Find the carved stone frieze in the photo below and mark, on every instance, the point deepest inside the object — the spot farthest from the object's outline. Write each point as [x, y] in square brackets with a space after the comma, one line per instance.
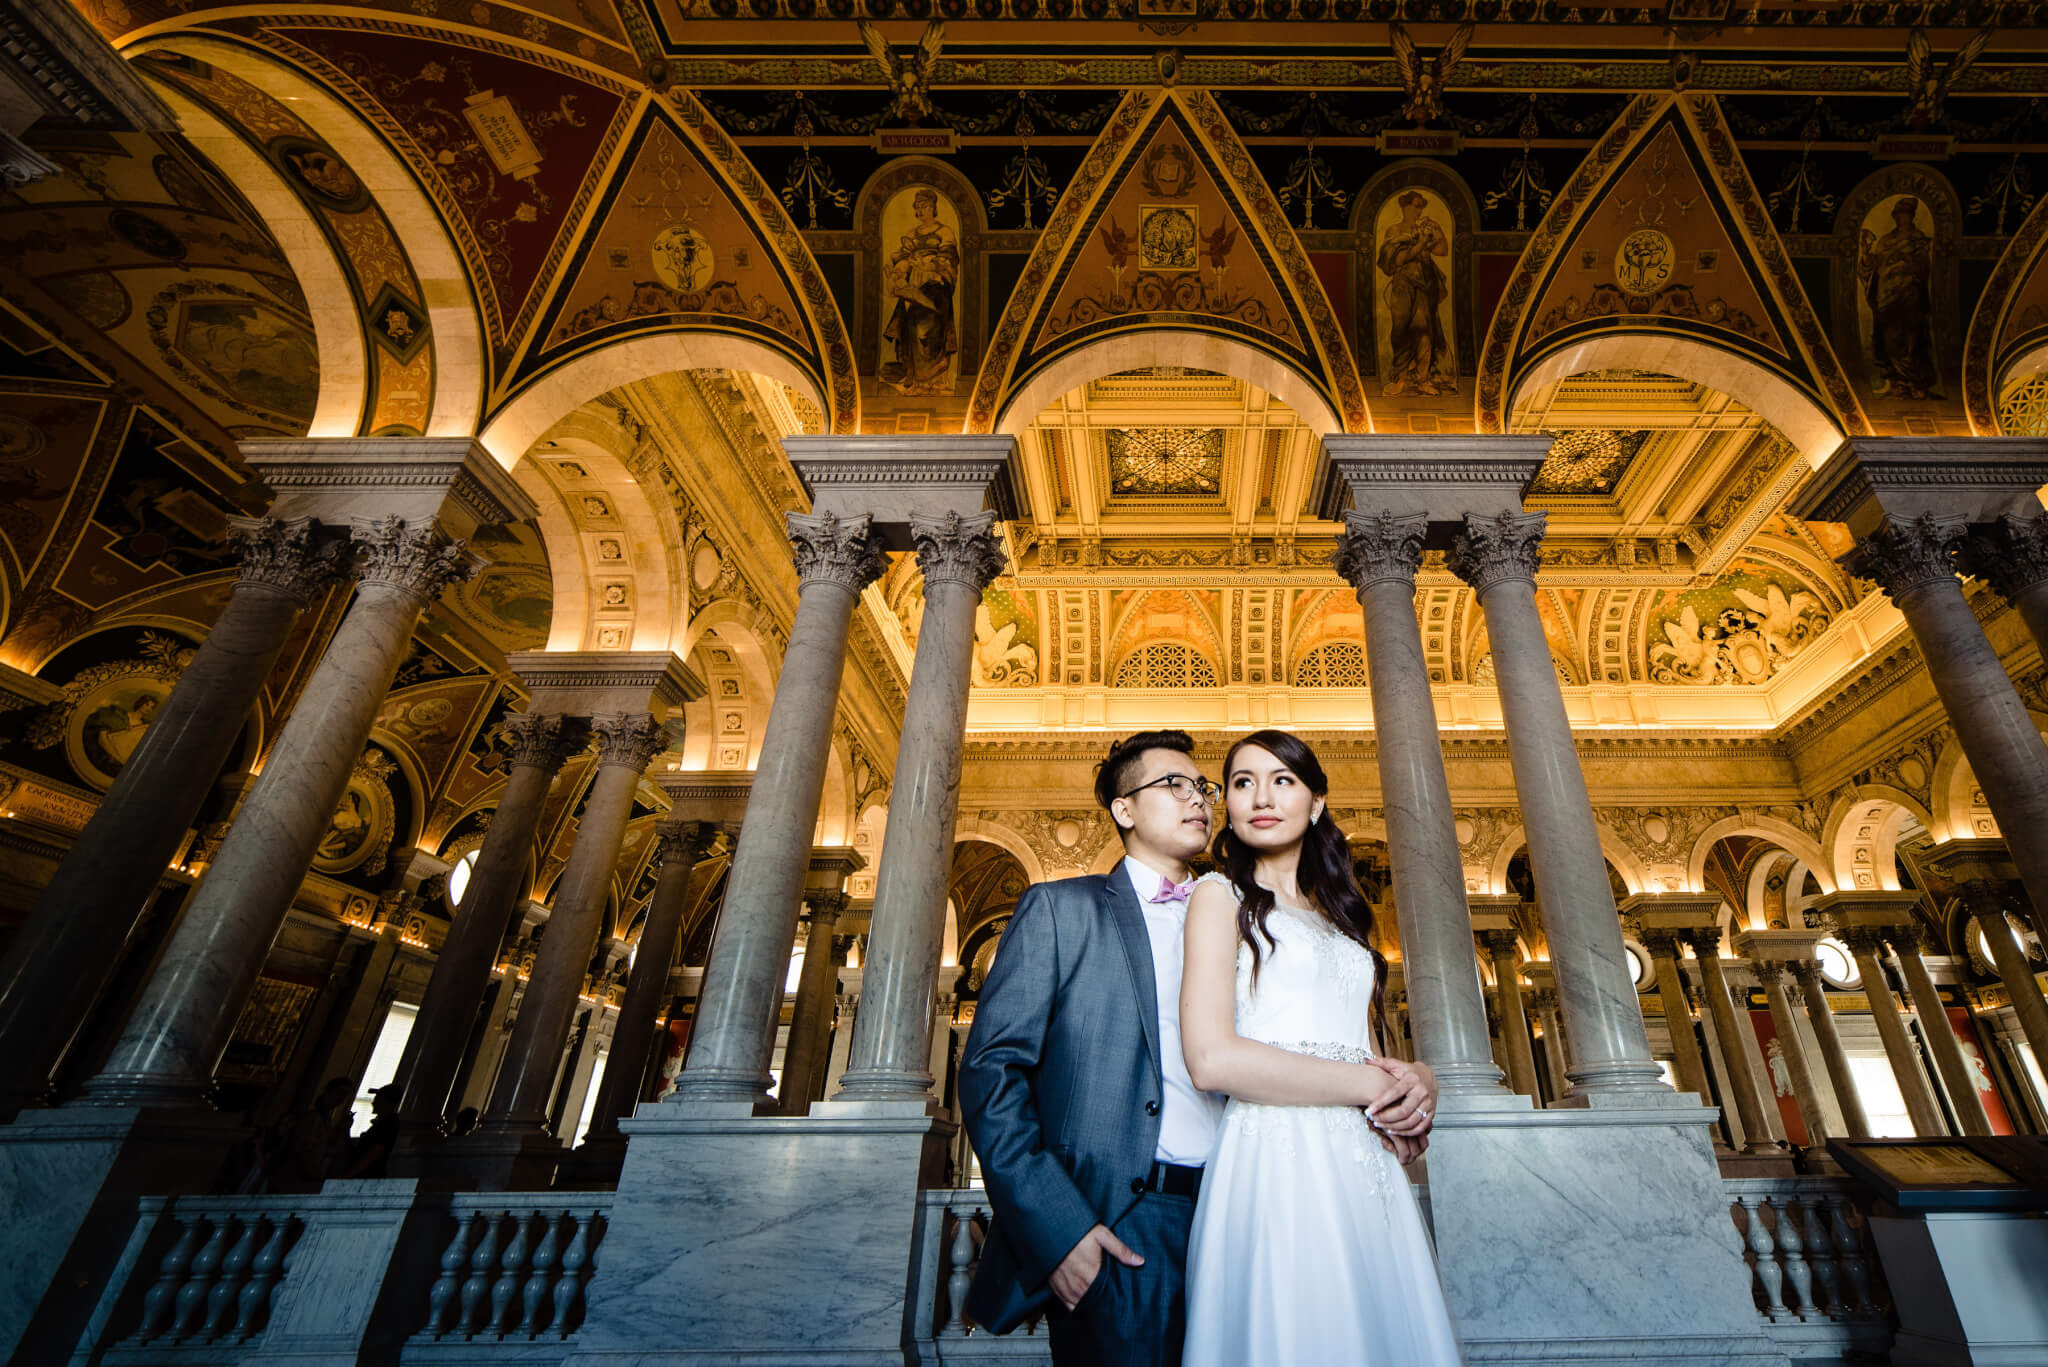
[1065, 840]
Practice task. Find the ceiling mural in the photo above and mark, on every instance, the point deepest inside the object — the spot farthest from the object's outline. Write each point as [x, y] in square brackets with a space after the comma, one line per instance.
[511, 599]
[1741, 629]
[2011, 321]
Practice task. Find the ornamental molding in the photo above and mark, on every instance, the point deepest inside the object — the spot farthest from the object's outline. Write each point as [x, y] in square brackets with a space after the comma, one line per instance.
[298, 558]
[1905, 557]
[1976, 478]
[57, 61]
[657, 676]
[328, 475]
[952, 549]
[1379, 547]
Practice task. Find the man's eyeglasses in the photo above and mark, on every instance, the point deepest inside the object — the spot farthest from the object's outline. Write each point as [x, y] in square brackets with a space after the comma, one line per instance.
[1185, 788]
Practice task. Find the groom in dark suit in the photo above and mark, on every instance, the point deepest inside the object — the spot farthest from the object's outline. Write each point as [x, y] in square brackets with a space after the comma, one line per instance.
[1090, 1133]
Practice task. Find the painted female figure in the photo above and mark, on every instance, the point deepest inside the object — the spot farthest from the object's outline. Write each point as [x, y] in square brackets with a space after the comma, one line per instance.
[921, 278]
[1895, 270]
[1420, 360]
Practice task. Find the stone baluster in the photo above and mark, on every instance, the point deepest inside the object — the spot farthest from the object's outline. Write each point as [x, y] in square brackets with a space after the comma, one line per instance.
[1728, 1025]
[733, 1033]
[1909, 943]
[90, 906]
[680, 846]
[1849, 1254]
[959, 556]
[810, 1024]
[1686, 1062]
[187, 1010]
[1379, 556]
[526, 1080]
[1866, 944]
[540, 745]
[1820, 1251]
[1771, 976]
[1763, 1248]
[959, 1259]
[2011, 555]
[1833, 1056]
[1498, 557]
[1514, 1017]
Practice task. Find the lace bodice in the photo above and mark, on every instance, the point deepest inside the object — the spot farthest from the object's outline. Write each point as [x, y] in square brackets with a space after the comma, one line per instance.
[1314, 991]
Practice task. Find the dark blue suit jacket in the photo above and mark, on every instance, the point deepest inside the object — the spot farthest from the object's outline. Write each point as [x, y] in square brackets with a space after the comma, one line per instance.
[1060, 1084]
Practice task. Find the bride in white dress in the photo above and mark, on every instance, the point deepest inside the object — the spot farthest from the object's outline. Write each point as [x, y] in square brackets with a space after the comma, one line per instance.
[1308, 1246]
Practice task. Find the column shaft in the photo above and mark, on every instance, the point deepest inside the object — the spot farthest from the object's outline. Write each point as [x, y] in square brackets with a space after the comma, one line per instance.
[2017, 975]
[2012, 554]
[892, 1037]
[1772, 977]
[682, 846]
[1743, 1081]
[455, 992]
[526, 1081]
[810, 1025]
[90, 907]
[1898, 1046]
[187, 1011]
[1379, 556]
[733, 1034]
[1595, 984]
[1671, 995]
[1514, 1020]
[1833, 1056]
[1914, 562]
[1941, 1037]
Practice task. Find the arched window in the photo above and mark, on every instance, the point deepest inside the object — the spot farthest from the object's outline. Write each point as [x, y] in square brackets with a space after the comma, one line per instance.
[458, 877]
[1166, 664]
[2023, 412]
[1333, 664]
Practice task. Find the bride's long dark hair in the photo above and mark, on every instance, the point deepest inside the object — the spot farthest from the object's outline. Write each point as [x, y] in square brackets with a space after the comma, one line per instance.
[1324, 873]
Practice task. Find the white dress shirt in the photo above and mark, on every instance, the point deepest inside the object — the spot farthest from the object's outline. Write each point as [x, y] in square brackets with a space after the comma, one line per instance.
[1188, 1116]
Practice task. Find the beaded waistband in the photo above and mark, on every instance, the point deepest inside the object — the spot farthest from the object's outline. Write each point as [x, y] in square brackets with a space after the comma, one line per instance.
[1340, 1053]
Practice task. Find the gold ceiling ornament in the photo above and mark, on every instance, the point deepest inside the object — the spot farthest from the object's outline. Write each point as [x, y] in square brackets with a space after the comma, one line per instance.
[1587, 461]
[1165, 460]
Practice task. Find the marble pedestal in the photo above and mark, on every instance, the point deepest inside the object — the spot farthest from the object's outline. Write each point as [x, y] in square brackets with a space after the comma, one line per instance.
[70, 1180]
[1590, 1233]
[1971, 1287]
[495, 1162]
[723, 1215]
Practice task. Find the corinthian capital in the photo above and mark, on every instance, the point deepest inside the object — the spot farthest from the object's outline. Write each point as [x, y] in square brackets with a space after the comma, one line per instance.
[2010, 554]
[545, 741]
[1381, 545]
[1905, 556]
[298, 558]
[835, 550]
[630, 739]
[956, 549]
[1493, 550]
[411, 557]
[683, 840]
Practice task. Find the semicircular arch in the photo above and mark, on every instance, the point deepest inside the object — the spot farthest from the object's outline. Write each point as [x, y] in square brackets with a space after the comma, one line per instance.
[1782, 834]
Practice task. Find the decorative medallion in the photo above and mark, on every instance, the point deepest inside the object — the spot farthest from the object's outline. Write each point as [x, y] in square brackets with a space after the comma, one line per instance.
[1643, 261]
[359, 834]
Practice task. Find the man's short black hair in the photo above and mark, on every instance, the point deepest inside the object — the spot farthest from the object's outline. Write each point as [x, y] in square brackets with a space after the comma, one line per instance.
[1113, 777]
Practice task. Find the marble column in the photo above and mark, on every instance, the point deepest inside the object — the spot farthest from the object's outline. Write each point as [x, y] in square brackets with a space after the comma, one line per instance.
[626, 741]
[1514, 1018]
[680, 846]
[1982, 874]
[90, 907]
[1729, 1025]
[1909, 943]
[817, 988]
[1686, 1062]
[1866, 943]
[733, 1033]
[810, 1023]
[959, 555]
[1498, 557]
[1379, 556]
[2011, 555]
[540, 745]
[1550, 1033]
[1771, 976]
[1832, 1055]
[187, 1011]
[1913, 561]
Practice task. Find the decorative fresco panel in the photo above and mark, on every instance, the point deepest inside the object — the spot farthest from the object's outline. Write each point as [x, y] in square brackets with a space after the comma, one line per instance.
[511, 599]
[1414, 321]
[920, 288]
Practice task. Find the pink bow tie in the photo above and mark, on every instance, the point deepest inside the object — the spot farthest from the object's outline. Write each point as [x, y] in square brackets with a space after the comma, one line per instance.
[1170, 891]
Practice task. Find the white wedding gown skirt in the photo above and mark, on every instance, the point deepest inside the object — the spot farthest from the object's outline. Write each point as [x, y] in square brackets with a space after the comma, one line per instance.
[1308, 1247]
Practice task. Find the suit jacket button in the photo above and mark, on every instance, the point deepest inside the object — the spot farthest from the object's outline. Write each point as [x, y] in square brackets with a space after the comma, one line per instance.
[1151, 1108]
[1137, 1186]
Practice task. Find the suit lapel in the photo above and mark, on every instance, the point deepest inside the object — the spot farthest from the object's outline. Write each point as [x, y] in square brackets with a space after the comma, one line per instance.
[1120, 900]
